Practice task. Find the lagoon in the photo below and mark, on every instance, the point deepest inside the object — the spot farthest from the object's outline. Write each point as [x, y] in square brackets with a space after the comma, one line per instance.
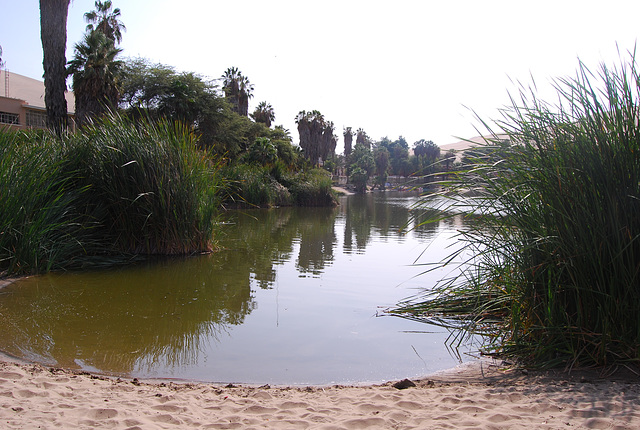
[294, 296]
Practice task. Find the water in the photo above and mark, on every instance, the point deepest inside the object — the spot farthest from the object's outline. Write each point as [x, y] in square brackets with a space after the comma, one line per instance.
[294, 297]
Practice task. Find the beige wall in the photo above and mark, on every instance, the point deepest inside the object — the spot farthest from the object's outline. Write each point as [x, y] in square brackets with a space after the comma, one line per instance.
[25, 96]
[12, 106]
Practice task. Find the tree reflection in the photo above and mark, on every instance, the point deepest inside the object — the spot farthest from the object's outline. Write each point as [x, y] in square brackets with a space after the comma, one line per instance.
[113, 320]
[165, 313]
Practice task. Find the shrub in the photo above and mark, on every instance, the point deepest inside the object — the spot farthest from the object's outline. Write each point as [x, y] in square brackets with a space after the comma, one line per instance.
[313, 188]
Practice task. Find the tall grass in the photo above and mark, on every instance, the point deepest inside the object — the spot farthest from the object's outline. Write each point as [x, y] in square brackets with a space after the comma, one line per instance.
[556, 228]
[154, 192]
[103, 194]
[39, 227]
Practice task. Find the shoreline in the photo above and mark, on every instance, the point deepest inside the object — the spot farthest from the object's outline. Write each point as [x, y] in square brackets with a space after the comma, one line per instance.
[481, 395]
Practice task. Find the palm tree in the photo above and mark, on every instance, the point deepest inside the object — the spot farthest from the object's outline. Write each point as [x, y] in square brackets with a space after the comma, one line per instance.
[53, 32]
[238, 90]
[106, 21]
[363, 138]
[316, 136]
[95, 70]
[348, 140]
[264, 114]
[231, 86]
[246, 92]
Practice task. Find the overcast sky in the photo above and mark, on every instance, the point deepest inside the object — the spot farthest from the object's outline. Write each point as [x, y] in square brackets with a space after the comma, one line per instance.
[410, 68]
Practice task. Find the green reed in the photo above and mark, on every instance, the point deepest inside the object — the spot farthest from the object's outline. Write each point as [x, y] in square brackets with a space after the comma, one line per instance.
[154, 192]
[103, 194]
[555, 277]
[38, 226]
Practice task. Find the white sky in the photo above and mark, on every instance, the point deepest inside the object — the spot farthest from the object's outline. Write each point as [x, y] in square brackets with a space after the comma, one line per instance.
[410, 68]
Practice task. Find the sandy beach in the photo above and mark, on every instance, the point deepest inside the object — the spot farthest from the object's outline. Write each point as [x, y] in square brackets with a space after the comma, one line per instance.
[487, 396]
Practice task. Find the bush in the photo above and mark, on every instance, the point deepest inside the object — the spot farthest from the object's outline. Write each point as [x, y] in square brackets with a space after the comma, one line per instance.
[255, 186]
[313, 188]
[556, 231]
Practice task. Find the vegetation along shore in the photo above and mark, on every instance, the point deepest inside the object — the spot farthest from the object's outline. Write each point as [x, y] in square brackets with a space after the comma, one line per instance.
[554, 278]
[153, 155]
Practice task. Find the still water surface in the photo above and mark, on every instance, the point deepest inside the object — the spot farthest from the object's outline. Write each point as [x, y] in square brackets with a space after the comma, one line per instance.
[293, 298]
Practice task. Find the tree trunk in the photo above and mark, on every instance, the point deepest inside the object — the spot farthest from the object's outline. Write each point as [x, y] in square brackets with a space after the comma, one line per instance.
[53, 32]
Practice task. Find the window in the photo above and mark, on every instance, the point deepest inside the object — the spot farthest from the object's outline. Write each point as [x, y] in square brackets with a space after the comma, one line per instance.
[36, 119]
[9, 118]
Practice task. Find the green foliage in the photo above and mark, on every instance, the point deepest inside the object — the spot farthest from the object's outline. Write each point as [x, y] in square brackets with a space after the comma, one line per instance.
[104, 193]
[238, 90]
[361, 166]
[95, 72]
[312, 188]
[381, 157]
[359, 178]
[426, 154]
[317, 138]
[261, 152]
[156, 193]
[157, 91]
[39, 228]
[557, 233]
[105, 20]
[398, 155]
[264, 114]
[250, 185]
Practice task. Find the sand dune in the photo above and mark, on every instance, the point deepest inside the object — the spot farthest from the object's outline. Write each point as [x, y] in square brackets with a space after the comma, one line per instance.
[33, 396]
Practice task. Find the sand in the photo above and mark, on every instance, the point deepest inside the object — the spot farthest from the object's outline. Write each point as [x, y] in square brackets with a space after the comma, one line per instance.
[487, 397]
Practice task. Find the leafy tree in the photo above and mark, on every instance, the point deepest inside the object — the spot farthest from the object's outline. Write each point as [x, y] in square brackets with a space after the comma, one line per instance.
[426, 153]
[264, 114]
[145, 85]
[157, 90]
[262, 152]
[381, 158]
[238, 90]
[427, 149]
[362, 165]
[53, 33]
[449, 159]
[287, 153]
[95, 71]
[348, 140]
[316, 136]
[399, 155]
[105, 20]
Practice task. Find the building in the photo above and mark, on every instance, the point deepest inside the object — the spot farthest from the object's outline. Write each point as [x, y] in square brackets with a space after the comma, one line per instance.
[22, 102]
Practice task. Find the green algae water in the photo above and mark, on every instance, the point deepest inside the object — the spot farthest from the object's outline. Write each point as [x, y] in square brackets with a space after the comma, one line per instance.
[294, 296]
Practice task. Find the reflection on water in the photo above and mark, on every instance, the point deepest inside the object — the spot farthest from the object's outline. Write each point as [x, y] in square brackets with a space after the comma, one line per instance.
[290, 298]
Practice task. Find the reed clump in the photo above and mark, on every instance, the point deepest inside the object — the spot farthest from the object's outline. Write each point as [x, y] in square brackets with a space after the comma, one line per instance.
[555, 237]
[103, 194]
